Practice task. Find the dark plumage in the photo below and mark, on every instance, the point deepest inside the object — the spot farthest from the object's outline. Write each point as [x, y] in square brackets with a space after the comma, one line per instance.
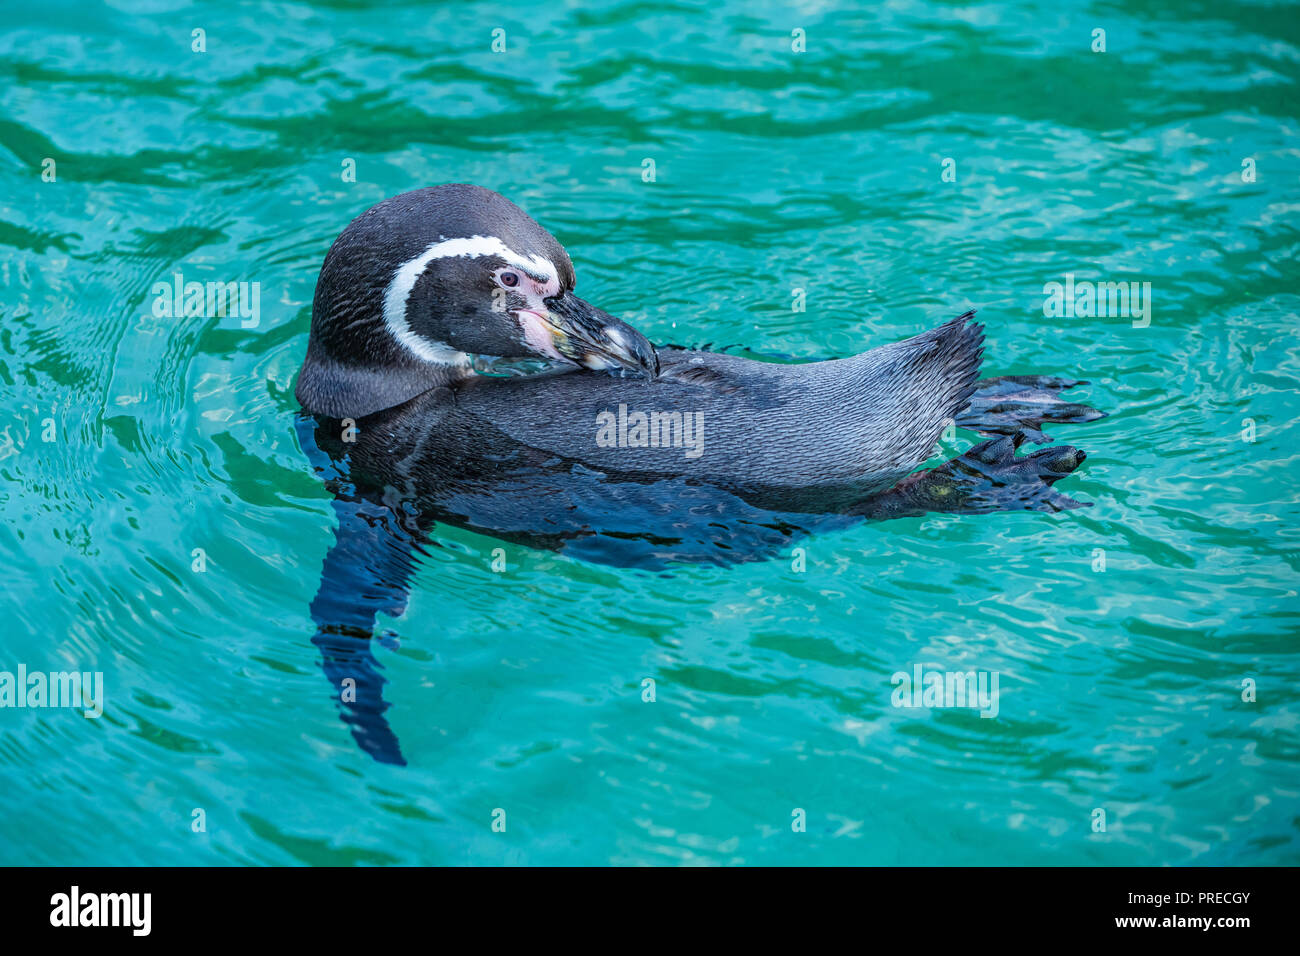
[733, 459]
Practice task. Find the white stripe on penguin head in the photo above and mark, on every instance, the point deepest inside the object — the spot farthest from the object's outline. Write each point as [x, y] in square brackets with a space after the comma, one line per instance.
[404, 279]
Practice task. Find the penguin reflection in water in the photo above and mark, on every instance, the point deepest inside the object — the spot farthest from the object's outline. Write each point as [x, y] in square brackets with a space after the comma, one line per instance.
[452, 375]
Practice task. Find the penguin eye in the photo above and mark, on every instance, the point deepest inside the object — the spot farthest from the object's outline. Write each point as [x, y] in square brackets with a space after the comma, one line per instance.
[509, 279]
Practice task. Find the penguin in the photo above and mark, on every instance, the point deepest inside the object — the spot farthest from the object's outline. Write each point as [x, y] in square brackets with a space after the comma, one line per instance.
[453, 375]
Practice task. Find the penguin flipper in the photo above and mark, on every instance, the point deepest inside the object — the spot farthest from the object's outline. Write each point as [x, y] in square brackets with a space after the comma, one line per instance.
[366, 571]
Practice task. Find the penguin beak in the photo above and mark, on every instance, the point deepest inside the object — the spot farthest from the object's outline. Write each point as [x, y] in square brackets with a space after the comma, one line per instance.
[594, 339]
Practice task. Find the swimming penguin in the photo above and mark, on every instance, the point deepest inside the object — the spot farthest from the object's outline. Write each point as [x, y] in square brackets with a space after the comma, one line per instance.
[453, 375]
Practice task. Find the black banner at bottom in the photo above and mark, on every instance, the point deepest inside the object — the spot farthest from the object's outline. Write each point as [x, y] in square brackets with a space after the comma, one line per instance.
[333, 906]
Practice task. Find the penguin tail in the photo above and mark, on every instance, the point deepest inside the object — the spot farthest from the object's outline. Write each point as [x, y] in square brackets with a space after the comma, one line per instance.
[959, 352]
[916, 388]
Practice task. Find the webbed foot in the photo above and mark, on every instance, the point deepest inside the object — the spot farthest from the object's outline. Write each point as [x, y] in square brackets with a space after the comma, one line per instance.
[1020, 404]
[988, 477]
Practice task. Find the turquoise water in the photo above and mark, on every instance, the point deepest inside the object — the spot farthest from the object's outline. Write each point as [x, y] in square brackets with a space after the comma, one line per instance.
[130, 440]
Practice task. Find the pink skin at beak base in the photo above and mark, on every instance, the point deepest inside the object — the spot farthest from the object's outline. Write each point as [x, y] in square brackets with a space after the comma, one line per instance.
[537, 333]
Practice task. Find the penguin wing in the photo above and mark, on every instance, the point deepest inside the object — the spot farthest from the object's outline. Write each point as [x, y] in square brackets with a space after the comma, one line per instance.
[857, 424]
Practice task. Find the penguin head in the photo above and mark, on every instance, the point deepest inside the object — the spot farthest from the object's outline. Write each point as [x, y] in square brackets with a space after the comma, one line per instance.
[418, 285]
